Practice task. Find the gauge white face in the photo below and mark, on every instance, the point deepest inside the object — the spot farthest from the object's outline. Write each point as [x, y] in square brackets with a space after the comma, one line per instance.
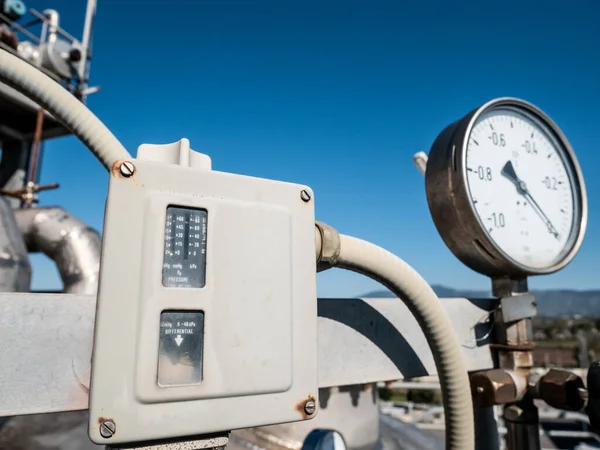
[521, 187]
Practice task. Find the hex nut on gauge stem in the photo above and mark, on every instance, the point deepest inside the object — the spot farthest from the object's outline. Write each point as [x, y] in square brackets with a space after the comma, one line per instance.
[127, 168]
[310, 407]
[305, 195]
[561, 390]
[107, 428]
[492, 387]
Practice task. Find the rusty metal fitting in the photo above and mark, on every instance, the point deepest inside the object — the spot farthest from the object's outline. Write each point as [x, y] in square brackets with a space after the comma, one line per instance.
[330, 246]
[561, 390]
[493, 387]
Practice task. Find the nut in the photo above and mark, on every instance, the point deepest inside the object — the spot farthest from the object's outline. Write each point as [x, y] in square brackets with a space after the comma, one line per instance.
[310, 407]
[107, 428]
[493, 387]
[561, 390]
[127, 168]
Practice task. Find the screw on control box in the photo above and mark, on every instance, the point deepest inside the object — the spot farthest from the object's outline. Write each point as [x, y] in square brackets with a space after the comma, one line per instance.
[211, 304]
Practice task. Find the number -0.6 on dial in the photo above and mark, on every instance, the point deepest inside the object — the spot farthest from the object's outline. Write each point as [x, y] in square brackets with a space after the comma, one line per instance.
[516, 189]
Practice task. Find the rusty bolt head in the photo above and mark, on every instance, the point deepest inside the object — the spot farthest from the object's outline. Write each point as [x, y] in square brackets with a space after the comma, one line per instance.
[310, 407]
[305, 195]
[561, 390]
[127, 168]
[492, 387]
[107, 429]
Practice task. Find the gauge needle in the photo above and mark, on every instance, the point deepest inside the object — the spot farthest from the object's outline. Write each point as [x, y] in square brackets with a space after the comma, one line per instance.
[508, 171]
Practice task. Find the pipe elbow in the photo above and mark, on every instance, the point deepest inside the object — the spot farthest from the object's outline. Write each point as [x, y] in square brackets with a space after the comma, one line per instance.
[69, 242]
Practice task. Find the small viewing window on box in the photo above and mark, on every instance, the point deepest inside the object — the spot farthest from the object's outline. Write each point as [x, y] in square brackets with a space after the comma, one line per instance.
[184, 261]
[181, 347]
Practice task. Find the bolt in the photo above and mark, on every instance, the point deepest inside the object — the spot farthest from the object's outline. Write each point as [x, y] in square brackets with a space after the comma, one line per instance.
[127, 169]
[310, 407]
[305, 195]
[107, 429]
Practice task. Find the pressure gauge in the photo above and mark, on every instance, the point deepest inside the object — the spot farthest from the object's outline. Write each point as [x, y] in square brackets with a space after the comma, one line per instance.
[506, 192]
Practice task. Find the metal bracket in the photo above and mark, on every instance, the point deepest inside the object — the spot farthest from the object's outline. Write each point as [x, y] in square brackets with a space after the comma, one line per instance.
[360, 342]
[517, 307]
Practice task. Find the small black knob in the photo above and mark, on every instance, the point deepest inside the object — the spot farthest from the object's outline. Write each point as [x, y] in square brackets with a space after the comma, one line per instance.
[593, 406]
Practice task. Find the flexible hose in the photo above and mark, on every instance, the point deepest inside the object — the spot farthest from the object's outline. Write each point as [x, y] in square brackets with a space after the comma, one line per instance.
[380, 265]
[73, 114]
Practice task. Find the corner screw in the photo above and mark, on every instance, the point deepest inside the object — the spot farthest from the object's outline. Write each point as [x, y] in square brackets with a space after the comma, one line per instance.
[310, 407]
[305, 195]
[107, 429]
[127, 169]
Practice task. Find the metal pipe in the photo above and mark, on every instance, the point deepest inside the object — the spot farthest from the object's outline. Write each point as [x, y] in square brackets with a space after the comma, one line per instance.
[512, 339]
[35, 150]
[59, 30]
[522, 425]
[70, 243]
[53, 20]
[86, 40]
[15, 270]
[19, 28]
[486, 428]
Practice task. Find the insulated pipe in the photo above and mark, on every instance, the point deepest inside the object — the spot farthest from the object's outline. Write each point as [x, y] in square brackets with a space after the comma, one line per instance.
[70, 243]
[15, 269]
[73, 114]
[378, 264]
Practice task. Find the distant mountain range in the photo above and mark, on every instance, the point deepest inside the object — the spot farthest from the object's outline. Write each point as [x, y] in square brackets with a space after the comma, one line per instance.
[551, 302]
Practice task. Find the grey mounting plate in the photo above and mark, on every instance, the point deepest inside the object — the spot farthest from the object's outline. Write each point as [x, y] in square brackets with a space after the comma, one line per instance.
[517, 307]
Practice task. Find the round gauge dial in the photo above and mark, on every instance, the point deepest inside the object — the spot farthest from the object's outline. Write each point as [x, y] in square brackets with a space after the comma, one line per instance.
[521, 187]
[516, 203]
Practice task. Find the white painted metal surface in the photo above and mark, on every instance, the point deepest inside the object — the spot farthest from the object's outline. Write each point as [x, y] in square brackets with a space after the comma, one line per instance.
[47, 346]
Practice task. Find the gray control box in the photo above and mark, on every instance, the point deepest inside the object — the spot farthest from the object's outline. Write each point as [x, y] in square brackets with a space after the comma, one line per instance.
[207, 312]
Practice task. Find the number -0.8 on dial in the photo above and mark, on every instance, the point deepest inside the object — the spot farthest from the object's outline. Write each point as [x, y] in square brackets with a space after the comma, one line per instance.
[517, 202]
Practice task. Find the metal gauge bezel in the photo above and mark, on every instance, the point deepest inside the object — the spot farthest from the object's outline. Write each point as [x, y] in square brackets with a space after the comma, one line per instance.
[454, 214]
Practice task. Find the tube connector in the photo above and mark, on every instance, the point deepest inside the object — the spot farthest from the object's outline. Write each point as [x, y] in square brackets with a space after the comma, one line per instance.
[497, 387]
[561, 390]
[420, 161]
[328, 246]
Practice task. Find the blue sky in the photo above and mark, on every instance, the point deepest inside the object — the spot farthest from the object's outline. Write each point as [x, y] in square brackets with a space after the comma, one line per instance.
[336, 95]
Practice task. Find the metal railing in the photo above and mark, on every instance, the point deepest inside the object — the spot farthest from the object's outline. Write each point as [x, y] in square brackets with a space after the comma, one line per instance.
[78, 82]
